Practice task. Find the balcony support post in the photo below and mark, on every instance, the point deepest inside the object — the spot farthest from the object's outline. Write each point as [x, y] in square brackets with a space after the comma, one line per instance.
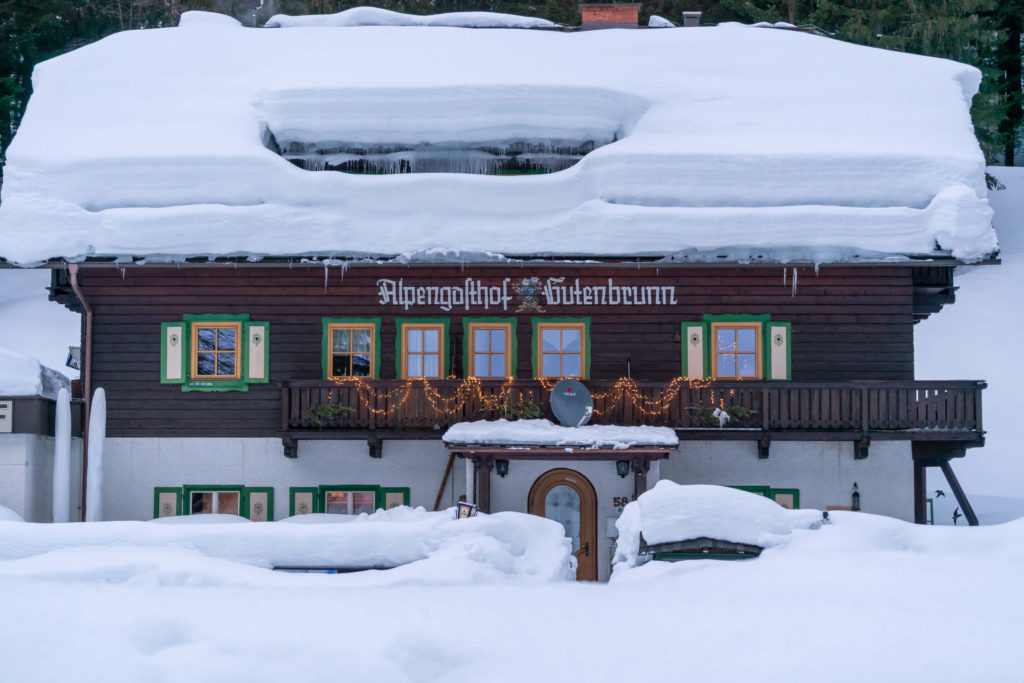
[920, 493]
[961, 497]
[640, 466]
[483, 481]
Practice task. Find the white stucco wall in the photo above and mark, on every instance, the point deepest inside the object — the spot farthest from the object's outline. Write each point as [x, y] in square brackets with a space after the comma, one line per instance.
[824, 471]
[26, 476]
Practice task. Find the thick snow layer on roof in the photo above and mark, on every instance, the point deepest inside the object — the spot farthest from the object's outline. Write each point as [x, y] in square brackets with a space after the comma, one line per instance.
[670, 512]
[374, 16]
[425, 547]
[22, 375]
[151, 143]
[546, 433]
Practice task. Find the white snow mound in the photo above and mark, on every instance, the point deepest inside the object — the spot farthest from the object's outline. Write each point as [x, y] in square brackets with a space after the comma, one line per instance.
[545, 433]
[9, 515]
[24, 376]
[671, 512]
[374, 16]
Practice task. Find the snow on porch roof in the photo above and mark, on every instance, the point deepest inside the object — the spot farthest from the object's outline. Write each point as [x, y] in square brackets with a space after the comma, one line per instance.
[545, 433]
[155, 144]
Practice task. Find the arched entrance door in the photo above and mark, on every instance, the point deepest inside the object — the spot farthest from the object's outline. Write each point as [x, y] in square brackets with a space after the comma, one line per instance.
[567, 497]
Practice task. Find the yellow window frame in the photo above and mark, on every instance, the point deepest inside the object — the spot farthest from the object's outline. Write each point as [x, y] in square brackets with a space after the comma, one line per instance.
[582, 353]
[410, 327]
[758, 369]
[237, 351]
[331, 353]
[473, 351]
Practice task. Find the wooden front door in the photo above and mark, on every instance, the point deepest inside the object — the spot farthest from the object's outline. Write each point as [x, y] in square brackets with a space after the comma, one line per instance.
[567, 497]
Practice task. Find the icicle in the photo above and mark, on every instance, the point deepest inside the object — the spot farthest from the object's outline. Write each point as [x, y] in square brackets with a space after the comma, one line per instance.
[794, 283]
[122, 274]
[342, 269]
[816, 264]
[62, 459]
[784, 276]
[325, 277]
[97, 438]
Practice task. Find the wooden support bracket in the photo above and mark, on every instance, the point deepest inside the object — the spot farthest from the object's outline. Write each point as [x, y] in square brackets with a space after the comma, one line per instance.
[290, 447]
[860, 447]
[764, 444]
[374, 446]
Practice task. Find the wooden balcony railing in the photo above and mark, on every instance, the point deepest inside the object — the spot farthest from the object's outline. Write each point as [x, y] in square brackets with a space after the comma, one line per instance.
[922, 409]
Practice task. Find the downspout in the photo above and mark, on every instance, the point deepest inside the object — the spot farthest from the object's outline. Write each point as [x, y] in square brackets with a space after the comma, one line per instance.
[86, 377]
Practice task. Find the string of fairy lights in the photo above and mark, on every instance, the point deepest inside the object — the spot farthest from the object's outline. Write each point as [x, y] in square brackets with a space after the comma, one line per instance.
[469, 390]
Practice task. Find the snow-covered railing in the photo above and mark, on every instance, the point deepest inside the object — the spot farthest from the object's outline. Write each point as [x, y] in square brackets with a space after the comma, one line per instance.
[925, 409]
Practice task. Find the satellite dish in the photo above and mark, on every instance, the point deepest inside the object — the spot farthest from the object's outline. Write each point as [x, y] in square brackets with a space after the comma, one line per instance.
[571, 403]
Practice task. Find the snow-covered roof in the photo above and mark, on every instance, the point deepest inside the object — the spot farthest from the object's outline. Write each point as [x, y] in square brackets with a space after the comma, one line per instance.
[375, 16]
[545, 433]
[155, 143]
[22, 375]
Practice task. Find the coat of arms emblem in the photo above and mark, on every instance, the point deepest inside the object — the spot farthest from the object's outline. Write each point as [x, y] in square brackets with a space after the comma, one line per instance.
[528, 291]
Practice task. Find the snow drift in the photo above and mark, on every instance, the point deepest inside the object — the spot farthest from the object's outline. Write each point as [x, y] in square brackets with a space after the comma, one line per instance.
[24, 376]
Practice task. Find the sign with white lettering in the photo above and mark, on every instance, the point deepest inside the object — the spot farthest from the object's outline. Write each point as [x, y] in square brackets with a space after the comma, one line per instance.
[522, 295]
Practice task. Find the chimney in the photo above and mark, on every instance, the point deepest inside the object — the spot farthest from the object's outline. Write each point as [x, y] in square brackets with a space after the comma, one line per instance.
[691, 19]
[624, 15]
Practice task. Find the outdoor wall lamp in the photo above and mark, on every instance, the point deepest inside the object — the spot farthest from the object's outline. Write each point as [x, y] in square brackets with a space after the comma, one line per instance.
[855, 502]
[501, 466]
[622, 467]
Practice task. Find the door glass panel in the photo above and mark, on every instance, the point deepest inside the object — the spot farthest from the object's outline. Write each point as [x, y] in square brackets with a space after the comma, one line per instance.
[562, 504]
[363, 501]
[746, 338]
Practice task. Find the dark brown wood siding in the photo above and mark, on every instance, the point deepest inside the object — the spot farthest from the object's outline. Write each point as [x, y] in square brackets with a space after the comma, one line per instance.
[848, 323]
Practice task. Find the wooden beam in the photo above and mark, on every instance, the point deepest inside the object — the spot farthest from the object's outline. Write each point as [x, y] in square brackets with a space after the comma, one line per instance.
[640, 467]
[764, 445]
[861, 446]
[920, 493]
[373, 445]
[444, 481]
[961, 497]
[483, 482]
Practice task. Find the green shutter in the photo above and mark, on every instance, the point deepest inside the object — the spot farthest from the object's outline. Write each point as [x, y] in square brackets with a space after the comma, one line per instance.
[173, 361]
[166, 501]
[696, 351]
[392, 495]
[258, 503]
[777, 351]
[303, 500]
[256, 336]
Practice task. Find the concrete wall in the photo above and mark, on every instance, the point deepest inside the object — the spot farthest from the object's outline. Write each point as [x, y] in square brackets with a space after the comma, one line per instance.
[824, 471]
[26, 476]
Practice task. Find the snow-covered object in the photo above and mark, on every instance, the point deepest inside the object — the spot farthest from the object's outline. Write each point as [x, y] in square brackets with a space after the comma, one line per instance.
[97, 441]
[545, 433]
[726, 137]
[430, 547]
[22, 375]
[9, 515]
[200, 18]
[374, 16]
[671, 512]
[659, 22]
[62, 458]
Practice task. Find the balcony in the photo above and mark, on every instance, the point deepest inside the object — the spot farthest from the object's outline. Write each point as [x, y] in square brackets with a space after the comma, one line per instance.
[939, 412]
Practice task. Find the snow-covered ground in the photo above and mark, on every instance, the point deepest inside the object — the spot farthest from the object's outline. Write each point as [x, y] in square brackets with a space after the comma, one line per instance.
[978, 338]
[864, 598]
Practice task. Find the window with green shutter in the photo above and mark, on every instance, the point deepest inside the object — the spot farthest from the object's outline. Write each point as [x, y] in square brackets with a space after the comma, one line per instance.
[215, 352]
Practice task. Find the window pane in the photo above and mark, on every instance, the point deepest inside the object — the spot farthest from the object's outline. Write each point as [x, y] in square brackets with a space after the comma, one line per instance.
[480, 340]
[497, 365]
[206, 363]
[225, 363]
[430, 340]
[571, 365]
[361, 340]
[551, 365]
[551, 340]
[227, 502]
[414, 365]
[726, 365]
[497, 340]
[570, 340]
[430, 366]
[746, 339]
[562, 504]
[207, 336]
[363, 501]
[340, 340]
[340, 366]
[336, 502]
[726, 340]
[361, 365]
[480, 365]
[415, 340]
[201, 503]
[226, 338]
[748, 365]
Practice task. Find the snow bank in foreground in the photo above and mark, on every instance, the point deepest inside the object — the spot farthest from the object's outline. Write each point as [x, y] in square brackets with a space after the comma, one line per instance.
[373, 16]
[671, 512]
[427, 547]
[24, 376]
[545, 433]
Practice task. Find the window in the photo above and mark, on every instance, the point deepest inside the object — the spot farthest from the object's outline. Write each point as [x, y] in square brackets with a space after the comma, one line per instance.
[561, 349]
[215, 350]
[350, 502]
[787, 498]
[737, 350]
[252, 502]
[422, 348]
[490, 349]
[347, 499]
[352, 350]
